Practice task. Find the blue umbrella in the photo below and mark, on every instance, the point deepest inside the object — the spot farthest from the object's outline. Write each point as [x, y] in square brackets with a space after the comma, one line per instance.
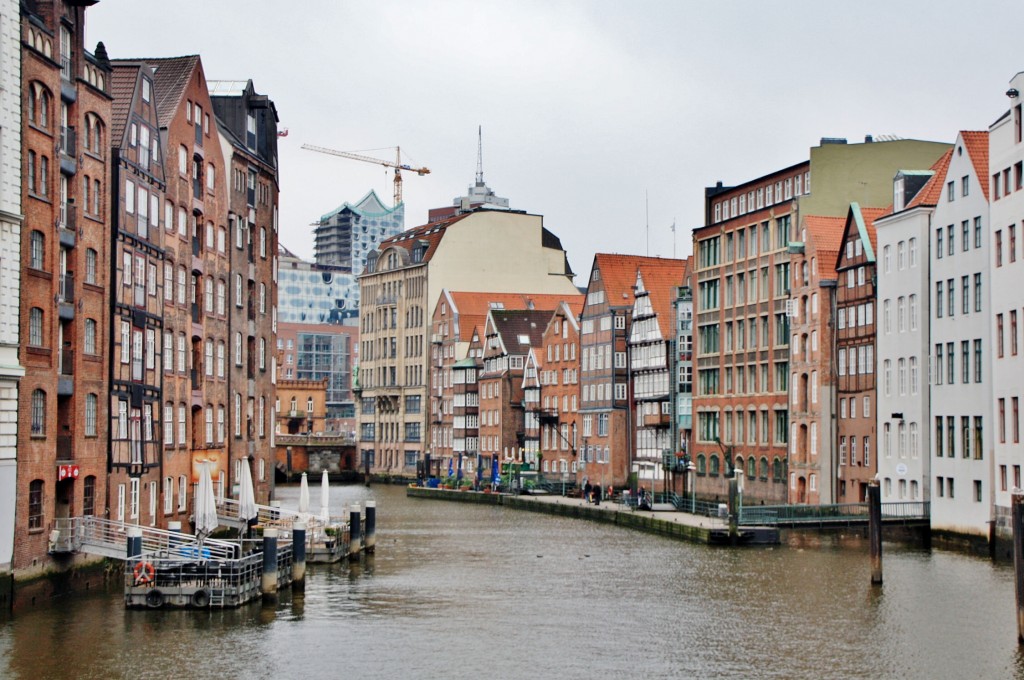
[494, 470]
[460, 468]
[479, 470]
[450, 470]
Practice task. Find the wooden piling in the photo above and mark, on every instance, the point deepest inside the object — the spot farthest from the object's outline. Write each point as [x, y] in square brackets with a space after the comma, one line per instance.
[734, 510]
[1018, 558]
[875, 531]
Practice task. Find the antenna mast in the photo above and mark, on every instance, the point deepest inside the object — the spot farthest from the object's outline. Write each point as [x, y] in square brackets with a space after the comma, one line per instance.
[480, 155]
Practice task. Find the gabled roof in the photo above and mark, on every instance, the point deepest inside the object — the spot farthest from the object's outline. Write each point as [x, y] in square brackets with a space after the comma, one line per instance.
[863, 220]
[618, 274]
[171, 76]
[976, 143]
[470, 309]
[930, 192]
[123, 78]
[514, 326]
[661, 282]
[827, 234]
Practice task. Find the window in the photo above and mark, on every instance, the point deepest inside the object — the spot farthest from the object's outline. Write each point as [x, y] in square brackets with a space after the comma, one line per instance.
[90, 336]
[90, 415]
[36, 250]
[90, 266]
[35, 327]
[38, 413]
[35, 505]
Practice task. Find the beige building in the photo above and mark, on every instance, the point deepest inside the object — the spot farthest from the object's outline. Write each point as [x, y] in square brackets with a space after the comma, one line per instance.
[485, 250]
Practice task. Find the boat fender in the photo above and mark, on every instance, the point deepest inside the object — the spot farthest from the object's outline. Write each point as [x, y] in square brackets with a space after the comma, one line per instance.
[201, 598]
[154, 599]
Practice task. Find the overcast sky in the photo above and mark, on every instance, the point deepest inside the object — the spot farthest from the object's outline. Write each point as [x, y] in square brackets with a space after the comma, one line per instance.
[586, 107]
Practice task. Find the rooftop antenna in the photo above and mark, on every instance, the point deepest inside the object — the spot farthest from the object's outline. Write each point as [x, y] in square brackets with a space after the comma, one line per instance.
[480, 155]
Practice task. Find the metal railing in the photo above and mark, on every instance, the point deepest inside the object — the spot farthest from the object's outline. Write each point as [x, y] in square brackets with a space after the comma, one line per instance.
[109, 538]
[842, 513]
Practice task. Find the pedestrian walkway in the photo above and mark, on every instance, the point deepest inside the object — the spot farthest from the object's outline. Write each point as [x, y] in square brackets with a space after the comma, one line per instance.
[665, 512]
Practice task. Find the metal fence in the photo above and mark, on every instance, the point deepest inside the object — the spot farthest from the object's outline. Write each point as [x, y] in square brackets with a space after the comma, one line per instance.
[843, 513]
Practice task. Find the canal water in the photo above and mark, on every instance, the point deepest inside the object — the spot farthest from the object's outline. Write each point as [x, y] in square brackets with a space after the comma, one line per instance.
[463, 591]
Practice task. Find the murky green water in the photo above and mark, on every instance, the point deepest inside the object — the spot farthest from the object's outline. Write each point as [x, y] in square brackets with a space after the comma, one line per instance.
[462, 591]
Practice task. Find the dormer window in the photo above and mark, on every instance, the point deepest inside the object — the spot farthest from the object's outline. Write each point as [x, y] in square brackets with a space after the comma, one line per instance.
[897, 194]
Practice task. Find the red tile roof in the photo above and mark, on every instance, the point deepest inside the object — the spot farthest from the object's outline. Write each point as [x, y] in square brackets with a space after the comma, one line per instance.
[429, 233]
[932, 189]
[472, 308]
[870, 215]
[826, 234]
[977, 148]
[618, 273]
[661, 282]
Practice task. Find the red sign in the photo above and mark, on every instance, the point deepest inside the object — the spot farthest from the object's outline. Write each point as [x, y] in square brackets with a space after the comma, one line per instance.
[67, 472]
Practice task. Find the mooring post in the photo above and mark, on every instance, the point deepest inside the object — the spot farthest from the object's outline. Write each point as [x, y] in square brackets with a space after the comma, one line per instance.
[370, 540]
[875, 531]
[734, 494]
[134, 546]
[354, 532]
[269, 584]
[299, 555]
[1018, 558]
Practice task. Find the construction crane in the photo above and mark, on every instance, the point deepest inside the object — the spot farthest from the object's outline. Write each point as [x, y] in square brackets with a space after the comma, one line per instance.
[397, 165]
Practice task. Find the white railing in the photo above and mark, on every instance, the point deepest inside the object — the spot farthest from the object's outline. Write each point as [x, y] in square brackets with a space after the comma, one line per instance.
[110, 539]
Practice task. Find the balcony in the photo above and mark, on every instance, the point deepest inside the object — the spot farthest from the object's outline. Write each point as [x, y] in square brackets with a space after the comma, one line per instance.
[68, 150]
[66, 296]
[657, 420]
[66, 373]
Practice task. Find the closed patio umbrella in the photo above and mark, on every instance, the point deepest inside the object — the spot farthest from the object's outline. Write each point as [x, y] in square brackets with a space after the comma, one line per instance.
[304, 494]
[246, 495]
[325, 498]
[205, 503]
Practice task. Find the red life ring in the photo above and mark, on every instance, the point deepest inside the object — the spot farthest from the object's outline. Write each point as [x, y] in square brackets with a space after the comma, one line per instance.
[144, 573]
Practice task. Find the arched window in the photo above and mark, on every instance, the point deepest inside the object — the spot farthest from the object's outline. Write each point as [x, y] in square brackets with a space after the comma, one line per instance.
[714, 466]
[737, 463]
[764, 468]
[38, 413]
[702, 464]
[35, 504]
[777, 470]
[35, 327]
[751, 467]
[37, 243]
[89, 495]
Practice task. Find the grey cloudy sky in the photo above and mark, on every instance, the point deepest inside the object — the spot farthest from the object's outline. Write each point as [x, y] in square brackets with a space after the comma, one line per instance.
[586, 106]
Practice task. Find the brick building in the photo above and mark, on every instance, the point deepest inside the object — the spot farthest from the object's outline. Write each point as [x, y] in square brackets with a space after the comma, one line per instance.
[551, 396]
[11, 369]
[856, 274]
[456, 318]
[195, 245]
[321, 351]
[138, 295]
[247, 126]
[62, 421]
[812, 383]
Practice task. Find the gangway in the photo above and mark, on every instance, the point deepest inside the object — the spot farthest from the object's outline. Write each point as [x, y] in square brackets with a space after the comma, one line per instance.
[108, 538]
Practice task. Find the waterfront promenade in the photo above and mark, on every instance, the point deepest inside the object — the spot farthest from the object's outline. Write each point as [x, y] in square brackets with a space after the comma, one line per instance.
[664, 520]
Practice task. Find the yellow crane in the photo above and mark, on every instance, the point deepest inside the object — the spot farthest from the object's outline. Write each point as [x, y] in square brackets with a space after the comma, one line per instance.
[397, 165]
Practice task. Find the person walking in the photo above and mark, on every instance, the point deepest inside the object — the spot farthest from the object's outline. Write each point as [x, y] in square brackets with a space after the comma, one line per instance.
[586, 490]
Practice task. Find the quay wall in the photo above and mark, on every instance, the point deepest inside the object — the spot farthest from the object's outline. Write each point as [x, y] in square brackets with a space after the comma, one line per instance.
[623, 518]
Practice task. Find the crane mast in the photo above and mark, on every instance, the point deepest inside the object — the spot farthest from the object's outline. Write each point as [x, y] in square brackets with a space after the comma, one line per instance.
[397, 165]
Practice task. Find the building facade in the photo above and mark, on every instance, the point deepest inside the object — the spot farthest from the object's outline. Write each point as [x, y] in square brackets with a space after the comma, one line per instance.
[11, 369]
[1006, 214]
[402, 282]
[856, 275]
[247, 126]
[904, 410]
[62, 401]
[347, 234]
[138, 294]
[961, 391]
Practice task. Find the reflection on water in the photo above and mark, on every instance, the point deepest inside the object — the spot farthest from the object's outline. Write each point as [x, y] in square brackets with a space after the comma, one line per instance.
[458, 591]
